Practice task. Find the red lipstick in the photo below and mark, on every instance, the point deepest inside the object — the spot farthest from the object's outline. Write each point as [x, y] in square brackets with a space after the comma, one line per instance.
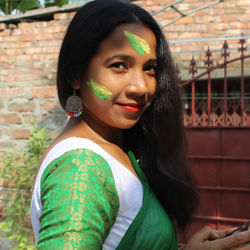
[132, 107]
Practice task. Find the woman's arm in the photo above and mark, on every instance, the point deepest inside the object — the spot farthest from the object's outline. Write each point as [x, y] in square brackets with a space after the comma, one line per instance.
[80, 202]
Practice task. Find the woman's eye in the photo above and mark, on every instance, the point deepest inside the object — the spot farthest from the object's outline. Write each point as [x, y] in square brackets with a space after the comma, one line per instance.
[119, 66]
[151, 69]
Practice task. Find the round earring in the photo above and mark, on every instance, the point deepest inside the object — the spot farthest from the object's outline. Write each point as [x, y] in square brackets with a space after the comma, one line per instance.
[74, 106]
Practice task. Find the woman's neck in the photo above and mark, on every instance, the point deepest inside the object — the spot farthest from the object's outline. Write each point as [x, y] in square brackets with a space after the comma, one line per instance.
[95, 130]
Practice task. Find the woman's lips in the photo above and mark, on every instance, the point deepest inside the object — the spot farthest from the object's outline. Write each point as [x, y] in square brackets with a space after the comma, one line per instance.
[132, 107]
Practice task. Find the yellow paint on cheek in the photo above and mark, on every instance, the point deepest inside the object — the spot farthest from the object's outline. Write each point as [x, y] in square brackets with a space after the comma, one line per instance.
[100, 91]
[138, 43]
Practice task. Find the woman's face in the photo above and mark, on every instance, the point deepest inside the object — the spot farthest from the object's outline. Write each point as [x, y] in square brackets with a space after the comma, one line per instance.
[120, 81]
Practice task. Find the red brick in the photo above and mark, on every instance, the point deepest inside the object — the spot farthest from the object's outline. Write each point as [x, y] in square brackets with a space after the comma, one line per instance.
[59, 36]
[49, 105]
[24, 25]
[243, 3]
[237, 25]
[29, 118]
[244, 18]
[217, 26]
[5, 32]
[50, 50]
[185, 20]
[51, 56]
[44, 92]
[246, 26]
[24, 58]
[11, 45]
[20, 133]
[10, 38]
[169, 15]
[3, 59]
[21, 107]
[13, 118]
[226, 19]
[11, 92]
[33, 50]
[175, 28]
[41, 24]
[53, 29]
[233, 32]
[23, 44]
[29, 76]
[233, 11]
[27, 38]
[2, 26]
[171, 36]
[72, 14]
[2, 52]
[196, 27]
[61, 16]
[12, 78]
[30, 31]
[150, 2]
[2, 119]
[13, 52]
[44, 37]
[189, 35]
[204, 19]
[40, 57]
[16, 32]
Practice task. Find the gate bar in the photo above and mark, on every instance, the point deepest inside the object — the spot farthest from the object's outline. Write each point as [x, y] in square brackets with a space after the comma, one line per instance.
[214, 218]
[165, 7]
[210, 39]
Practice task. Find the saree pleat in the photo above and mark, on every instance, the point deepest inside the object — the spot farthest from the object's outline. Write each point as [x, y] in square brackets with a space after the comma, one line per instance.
[151, 229]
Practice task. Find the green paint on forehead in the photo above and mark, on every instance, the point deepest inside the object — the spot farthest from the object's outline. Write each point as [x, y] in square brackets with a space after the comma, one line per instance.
[138, 43]
[100, 91]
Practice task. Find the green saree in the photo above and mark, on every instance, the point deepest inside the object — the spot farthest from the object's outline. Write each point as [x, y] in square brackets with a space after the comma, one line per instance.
[81, 203]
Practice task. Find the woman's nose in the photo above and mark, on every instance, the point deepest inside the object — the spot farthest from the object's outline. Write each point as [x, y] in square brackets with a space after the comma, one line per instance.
[138, 85]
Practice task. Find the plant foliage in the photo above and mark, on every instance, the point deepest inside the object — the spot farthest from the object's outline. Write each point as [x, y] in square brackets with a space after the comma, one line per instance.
[9, 7]
[19, 171]
[60, 3]
[20, 6]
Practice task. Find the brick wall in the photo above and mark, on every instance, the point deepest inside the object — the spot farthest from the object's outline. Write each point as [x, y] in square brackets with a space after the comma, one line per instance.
[29, 51]
[227, 19]
[28, 61]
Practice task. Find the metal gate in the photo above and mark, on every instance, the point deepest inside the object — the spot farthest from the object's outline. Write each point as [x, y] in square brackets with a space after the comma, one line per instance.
[217, 121]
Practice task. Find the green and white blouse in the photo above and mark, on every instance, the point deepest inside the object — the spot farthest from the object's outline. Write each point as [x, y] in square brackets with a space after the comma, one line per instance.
[83, 198]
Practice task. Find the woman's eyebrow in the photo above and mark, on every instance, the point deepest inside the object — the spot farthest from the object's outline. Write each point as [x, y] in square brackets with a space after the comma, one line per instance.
[152, 61]
[128, 58]
[121, 57]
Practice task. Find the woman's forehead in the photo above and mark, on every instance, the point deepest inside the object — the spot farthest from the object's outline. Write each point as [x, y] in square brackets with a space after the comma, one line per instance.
[119, 39]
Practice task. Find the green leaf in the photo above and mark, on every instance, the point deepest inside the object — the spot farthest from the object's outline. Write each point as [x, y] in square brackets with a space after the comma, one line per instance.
[20, 169]
[49, 3]
[8, 6]
[28, 5]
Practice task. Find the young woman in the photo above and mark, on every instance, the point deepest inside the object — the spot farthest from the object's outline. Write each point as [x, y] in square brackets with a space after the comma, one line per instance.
[116, 177]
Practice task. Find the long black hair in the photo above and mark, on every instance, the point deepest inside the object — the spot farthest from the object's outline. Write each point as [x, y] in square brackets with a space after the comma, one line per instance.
[158, 139]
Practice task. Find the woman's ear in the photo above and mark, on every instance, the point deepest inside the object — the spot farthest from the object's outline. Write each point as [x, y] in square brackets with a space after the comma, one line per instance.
[79, 80]
[77, 83]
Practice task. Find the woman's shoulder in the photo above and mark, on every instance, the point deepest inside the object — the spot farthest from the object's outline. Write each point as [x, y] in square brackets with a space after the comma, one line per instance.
[70, 144]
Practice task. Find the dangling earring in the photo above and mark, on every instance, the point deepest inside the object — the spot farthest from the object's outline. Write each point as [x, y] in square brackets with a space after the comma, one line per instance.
[74, 106]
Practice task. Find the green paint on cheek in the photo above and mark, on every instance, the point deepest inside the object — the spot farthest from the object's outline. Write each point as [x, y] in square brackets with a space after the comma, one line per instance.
[138, 43]
[100, 91]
